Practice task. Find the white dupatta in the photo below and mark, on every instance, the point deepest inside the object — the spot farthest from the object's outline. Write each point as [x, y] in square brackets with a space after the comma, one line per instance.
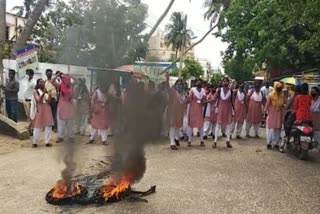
[240, 96]
[257, 96]
[101, 97]
[199, 95]
[224, 96]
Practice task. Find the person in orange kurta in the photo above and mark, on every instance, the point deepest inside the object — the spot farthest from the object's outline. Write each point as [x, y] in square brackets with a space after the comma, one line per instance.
[275, 109]
[197, 98]
[176, 109]
[301, 106]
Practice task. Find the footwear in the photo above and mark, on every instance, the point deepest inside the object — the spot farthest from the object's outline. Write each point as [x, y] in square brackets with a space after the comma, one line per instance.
[276, 147]
[248, 136]
[224, 135]
[34, 145]
[177, 142]
[189, 144]
[281, 149]
[202, 144]
[229, 145]
[205, 137]
[173, 147]
[239, 137]
[91, 142]
[257, 136]
[48, 145]
[104, 143]
[214, 145]
[269, 146]
[60, 140]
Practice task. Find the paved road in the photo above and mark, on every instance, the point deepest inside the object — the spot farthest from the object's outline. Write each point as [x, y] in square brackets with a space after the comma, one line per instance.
[246, 179]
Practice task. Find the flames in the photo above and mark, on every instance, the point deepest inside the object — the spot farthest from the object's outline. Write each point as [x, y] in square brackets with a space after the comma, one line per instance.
[63, 190]
[115, 190]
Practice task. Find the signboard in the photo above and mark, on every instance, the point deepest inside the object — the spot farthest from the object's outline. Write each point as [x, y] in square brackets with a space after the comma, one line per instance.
[152, 69]
[26, 58]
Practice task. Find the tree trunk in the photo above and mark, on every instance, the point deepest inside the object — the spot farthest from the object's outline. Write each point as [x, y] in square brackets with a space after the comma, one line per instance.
[190, 48]
[2, 21]
[155, 27]
[31, 22]
[3, 27]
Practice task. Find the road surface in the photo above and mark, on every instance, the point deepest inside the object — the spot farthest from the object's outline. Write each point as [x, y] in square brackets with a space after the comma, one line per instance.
[246, 179]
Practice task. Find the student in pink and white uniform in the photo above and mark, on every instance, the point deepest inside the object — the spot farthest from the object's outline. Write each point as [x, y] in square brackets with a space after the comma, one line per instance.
[240, 110]
[225, 111]
[41, 114]
[210, 113]
[99, 121]
[176, 109]
[197, 98]
[255, 101]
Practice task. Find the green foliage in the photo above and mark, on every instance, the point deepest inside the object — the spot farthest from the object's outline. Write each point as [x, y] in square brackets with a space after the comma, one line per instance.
[273, 33]
[178, 36]
[191, 69]
[102, 33]
[216, 77]
[240, 69]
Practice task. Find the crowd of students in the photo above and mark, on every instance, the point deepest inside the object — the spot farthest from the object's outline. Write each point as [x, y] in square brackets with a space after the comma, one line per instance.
[64, 104]
[228, 107]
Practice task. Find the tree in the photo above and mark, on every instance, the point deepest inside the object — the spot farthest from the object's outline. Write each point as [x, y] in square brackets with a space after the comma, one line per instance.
[2, 21]
[24, 10]
[178, 36]
[215, 13]
[239, 68]
[191, 69]
[273, 33]
[31, 22]
[155, 27]
[106, 34]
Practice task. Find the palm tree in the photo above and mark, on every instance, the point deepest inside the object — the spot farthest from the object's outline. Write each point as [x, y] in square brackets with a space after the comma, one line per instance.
[25, 9]
[165, 13]
[178, 36]
[214, 13]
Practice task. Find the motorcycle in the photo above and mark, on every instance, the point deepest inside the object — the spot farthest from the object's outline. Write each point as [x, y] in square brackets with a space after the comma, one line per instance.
[303, 140]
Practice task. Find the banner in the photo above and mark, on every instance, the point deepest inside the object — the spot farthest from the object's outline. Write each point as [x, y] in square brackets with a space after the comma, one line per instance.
[26, 58]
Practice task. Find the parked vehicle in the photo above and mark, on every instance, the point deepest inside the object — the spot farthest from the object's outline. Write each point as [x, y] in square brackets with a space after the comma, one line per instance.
[303, 140]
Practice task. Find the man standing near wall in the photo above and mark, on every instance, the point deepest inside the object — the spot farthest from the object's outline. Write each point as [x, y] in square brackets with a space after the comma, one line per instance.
[11, 90]
[52, 91]
[31, 84]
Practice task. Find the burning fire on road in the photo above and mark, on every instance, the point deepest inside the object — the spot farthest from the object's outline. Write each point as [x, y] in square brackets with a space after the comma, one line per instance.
[134, 124]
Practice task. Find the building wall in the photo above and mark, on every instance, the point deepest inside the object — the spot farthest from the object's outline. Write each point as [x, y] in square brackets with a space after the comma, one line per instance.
[158, 49]
[14, 22]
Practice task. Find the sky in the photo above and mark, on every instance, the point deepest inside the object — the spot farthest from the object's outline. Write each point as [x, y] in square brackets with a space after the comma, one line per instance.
[209, 49]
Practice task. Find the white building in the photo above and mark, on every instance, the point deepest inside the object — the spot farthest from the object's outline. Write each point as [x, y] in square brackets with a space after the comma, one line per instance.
[158, 51]
[206, 66]
[15, 25]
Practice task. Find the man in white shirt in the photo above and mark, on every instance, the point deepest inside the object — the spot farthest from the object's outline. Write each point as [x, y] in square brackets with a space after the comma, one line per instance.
[266, 89]
[30, 85]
